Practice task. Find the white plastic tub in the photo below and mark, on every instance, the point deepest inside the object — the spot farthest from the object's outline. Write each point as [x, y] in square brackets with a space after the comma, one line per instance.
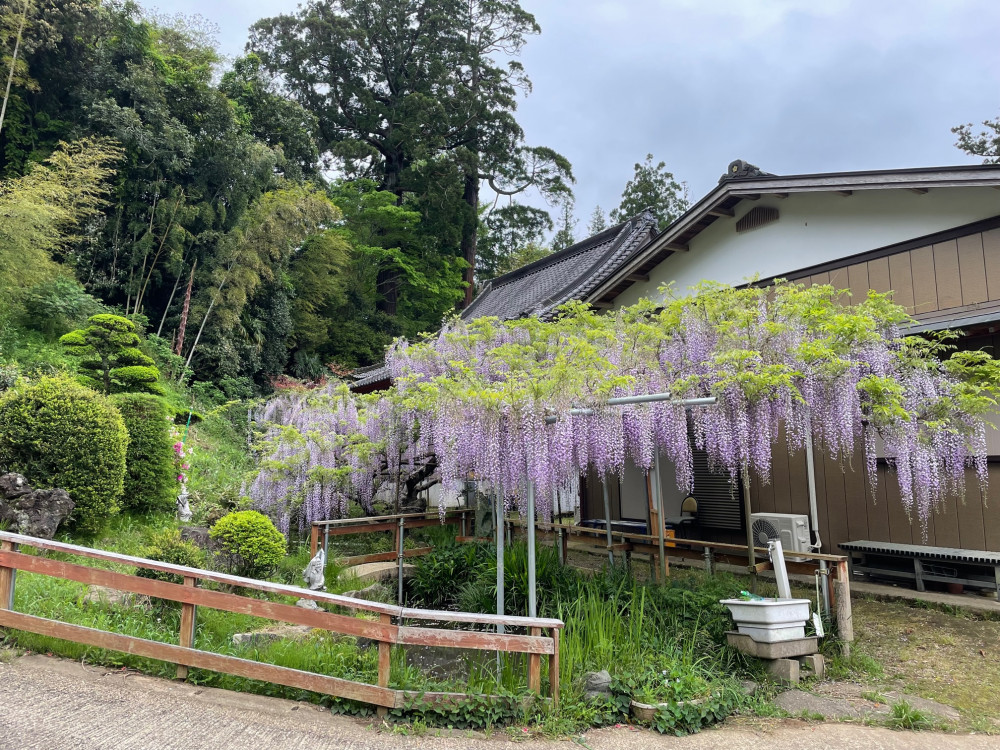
[770, 620]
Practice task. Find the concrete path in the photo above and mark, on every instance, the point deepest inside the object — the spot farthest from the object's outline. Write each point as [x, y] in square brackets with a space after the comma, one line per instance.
[50, 704]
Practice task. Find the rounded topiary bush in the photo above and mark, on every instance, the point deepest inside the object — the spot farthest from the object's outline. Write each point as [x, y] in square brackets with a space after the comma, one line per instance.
[250, 545]
[168, 547]
[150, 482]
[58, 433]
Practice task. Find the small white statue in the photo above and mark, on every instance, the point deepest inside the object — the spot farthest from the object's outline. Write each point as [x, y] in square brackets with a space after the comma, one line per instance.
[315, 573]
[183, 507]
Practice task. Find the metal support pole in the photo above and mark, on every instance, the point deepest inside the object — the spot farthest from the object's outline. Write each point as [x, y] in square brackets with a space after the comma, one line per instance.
[659, 522]
[814, 519]
[751, 555]
[607, 519]
[326, 542]
[399, 572]
[500, 569]
[532, 593]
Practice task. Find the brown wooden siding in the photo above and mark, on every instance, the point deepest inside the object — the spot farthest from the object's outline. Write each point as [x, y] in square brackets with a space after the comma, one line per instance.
[848, 511]
[934, 282]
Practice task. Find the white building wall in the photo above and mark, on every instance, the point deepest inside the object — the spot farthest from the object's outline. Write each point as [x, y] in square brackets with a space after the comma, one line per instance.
[814, 228]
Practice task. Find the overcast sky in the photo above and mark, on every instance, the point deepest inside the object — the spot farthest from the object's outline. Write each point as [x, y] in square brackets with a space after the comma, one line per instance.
[792, 86]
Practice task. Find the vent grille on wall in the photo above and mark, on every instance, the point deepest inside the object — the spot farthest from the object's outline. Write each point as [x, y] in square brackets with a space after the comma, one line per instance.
[720, 504]
[756, 217]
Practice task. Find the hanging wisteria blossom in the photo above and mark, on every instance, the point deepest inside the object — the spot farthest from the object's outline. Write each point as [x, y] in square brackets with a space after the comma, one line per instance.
[509, 403]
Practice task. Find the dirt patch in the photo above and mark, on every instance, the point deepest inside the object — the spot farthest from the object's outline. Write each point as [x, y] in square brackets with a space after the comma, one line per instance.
[952, 659]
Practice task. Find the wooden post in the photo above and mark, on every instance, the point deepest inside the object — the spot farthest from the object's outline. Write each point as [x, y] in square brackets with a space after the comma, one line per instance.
[189, 615]
[554, 669]
[845, 617]
[7, 579]
[535, 667]
[313, 541]
[384, 664]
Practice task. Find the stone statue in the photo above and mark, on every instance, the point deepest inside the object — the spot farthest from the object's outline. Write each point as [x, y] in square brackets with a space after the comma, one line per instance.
[315, 573]
[183, 507]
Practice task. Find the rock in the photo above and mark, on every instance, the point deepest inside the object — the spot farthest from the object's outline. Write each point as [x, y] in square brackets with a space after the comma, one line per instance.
[749, 687]
[376, 592]
[263, 637]
[31, 512]
[380, 571]
[596, 684]
[926, 705]
[114, 598]
[199, 537]
[801, 703]
[307, 604]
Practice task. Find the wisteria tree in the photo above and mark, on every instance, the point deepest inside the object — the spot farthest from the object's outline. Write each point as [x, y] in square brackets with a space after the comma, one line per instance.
[526, 401]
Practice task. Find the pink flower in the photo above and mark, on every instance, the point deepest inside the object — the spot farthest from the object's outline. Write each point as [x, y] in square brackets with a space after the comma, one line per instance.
[179, 448]
[180, 478]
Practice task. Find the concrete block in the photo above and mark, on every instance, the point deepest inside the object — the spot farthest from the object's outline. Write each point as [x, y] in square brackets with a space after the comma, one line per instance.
[815, 664]
[785, 671]
[779, 650]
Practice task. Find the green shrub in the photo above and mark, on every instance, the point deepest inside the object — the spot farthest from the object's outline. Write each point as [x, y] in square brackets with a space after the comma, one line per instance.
[250, 544]
[58, 304]
[168, 547]
[150, 482]
[110, 358]
[57, 433]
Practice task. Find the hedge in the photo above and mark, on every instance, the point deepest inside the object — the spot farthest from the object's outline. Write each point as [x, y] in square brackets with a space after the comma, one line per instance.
[150, 482]
[58, 433]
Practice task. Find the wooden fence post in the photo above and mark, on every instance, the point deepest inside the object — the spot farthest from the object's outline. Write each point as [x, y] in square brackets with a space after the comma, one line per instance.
[189, 614]
[313, 541]
[7, 579]
[554, 669]
[384, 664]
[535, 667]
[845, 616]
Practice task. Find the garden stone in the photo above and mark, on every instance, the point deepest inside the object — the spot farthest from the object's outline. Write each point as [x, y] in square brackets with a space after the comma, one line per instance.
[32, 512]
[597, 684]
[749, 687]
[266, 636]
[114, 598]
[307, 604]
[784, 671]
[377, 592]
[199, 537]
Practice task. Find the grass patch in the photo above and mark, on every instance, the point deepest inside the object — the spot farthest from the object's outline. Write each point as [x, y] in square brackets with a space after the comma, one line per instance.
[904, 716]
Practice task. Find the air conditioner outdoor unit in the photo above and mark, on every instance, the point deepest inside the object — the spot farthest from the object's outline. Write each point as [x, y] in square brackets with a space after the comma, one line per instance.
[791, 528]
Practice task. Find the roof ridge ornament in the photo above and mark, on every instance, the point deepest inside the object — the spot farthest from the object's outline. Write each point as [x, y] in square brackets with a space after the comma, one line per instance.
[741, 170]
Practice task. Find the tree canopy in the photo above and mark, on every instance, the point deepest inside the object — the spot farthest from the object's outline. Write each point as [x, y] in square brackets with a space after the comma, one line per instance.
[652, 187]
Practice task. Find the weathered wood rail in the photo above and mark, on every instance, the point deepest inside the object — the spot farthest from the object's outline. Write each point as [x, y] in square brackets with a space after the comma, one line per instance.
[389, 630]
[398, 524]
[626, 542]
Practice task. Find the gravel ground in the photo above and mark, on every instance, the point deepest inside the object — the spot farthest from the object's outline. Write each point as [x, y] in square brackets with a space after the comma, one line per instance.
[51, 704]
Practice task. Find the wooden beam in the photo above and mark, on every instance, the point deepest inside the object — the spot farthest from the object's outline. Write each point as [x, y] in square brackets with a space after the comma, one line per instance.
[677, 247]
[918, 191]
[637, 277]
[845, 193]
[444, 638]
[720, 211]
[751, 196]
[780, 196]
[600, 304]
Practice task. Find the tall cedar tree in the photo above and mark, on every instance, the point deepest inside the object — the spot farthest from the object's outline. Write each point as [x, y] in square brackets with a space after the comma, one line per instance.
[396, 83]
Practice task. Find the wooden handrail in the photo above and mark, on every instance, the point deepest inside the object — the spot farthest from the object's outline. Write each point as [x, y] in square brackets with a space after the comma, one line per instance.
[364, 520]
[386, 632]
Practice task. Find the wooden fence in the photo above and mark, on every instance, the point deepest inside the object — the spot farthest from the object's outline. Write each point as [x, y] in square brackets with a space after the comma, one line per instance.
[398, 524]
[390, 628]
[625, 543]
